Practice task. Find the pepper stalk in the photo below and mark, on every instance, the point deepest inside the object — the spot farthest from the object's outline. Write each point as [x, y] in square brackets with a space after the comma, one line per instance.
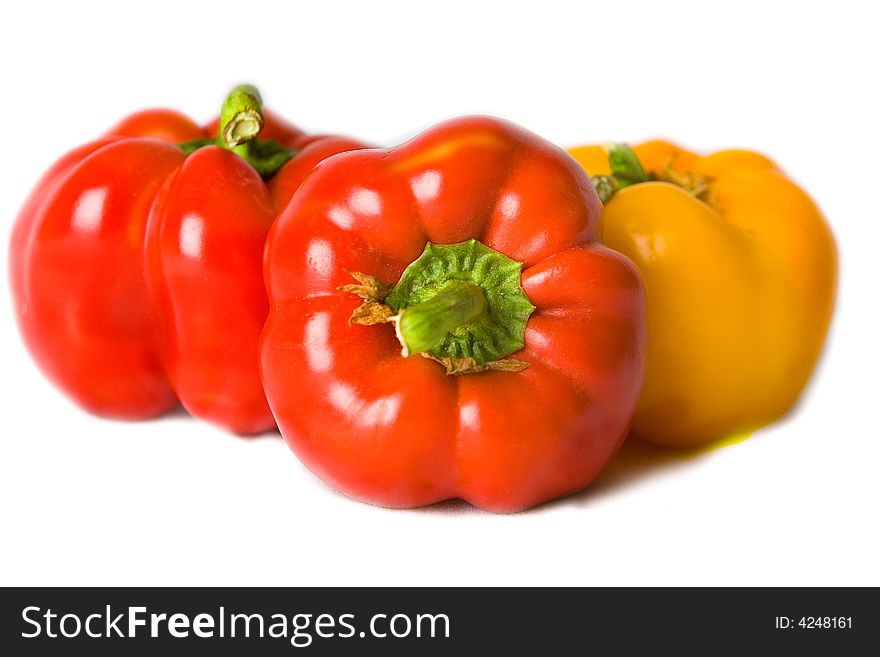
[241, 121]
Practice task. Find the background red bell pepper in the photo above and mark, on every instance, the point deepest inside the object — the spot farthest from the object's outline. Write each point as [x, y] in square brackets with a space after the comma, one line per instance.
[136, 261]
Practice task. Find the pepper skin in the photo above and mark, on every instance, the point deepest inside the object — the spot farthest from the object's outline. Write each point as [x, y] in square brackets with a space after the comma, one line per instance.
[740, 283]
[475, 197]
[136, 270]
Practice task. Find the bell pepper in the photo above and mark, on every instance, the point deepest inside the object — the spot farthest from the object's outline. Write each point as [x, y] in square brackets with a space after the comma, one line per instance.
[136, 262]
[443, 323]
[740, 274]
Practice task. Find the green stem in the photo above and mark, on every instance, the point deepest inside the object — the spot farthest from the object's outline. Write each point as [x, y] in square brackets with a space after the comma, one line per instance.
[241, 117]
[241, 120]
[422, 326]
[626, 170]
[625, 165]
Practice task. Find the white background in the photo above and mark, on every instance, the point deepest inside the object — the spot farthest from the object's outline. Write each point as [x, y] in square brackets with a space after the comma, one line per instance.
[90, 501]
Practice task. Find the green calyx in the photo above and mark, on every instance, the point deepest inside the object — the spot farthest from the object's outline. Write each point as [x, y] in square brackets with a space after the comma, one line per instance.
[241, 120]
[265, 155]
[447, 279]
[459, 304]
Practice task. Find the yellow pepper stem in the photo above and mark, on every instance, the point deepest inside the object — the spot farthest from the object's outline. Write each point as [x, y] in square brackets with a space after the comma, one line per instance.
[626, 170]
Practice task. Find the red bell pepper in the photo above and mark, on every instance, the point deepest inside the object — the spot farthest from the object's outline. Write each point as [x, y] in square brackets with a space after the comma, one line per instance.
[136, 263]
[473, 245]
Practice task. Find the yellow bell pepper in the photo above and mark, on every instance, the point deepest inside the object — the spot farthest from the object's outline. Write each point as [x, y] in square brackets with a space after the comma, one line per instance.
[740, 274]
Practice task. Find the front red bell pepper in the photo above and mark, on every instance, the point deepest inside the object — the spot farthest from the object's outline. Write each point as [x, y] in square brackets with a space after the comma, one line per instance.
[136, 262]
[473, 245]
